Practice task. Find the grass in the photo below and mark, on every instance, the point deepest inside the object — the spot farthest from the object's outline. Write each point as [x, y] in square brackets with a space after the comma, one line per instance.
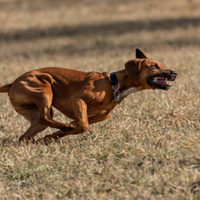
[149, 147]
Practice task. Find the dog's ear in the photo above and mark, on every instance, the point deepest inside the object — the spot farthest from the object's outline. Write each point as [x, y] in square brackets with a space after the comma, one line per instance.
[140, 54]
[133, 68]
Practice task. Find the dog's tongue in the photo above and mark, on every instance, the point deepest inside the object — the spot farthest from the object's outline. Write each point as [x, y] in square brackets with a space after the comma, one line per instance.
[162, 82]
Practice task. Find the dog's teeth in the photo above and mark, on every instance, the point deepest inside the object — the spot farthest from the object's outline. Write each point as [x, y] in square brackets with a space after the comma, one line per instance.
[168, 82]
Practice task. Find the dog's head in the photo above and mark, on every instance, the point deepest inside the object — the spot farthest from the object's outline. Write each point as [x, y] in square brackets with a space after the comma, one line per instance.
[149, 73]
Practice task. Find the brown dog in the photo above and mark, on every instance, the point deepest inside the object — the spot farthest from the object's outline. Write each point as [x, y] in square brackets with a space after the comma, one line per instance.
[84, 97]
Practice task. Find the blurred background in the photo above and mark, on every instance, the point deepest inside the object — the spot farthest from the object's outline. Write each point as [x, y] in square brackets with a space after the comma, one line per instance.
[75, 33]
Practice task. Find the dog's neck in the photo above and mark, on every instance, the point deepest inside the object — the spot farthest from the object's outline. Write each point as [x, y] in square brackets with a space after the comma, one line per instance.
[127, 85]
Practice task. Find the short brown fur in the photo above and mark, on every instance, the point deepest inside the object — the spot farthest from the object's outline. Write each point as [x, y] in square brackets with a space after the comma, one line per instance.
[84, 97]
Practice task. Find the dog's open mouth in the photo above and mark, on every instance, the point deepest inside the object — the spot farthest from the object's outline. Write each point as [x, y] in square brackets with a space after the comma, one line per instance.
[160, 81]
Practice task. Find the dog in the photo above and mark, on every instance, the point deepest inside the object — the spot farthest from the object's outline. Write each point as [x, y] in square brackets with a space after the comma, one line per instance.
[84, 97]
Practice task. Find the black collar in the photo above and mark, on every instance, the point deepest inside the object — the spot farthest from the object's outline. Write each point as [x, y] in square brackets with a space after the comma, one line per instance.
[113, 78]
[116, 92]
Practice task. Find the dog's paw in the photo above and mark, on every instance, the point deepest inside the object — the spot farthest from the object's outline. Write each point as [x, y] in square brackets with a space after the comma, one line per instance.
[63, 128]
[44, 141]
[27, 141]
[66, 128]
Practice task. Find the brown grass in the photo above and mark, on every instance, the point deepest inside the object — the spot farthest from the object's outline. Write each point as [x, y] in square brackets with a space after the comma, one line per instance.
[149, 148]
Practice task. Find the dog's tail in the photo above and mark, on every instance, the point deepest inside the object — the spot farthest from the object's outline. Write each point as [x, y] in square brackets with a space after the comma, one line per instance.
[5, 88]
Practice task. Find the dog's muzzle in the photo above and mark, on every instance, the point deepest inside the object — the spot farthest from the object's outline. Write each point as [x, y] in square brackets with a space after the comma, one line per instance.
[162, 80]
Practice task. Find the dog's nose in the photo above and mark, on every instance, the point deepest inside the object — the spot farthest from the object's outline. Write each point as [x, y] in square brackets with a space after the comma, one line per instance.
[173, 73]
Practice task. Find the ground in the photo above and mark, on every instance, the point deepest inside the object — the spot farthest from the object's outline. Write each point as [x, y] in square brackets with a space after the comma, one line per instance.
[149, 148]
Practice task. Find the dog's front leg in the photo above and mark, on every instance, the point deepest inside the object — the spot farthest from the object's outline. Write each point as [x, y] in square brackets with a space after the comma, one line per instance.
[80, 111]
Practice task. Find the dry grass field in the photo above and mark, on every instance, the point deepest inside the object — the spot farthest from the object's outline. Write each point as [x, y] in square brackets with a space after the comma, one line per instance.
[149, 148]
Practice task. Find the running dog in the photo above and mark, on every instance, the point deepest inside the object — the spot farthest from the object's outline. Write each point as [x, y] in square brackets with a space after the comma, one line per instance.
[84, 97]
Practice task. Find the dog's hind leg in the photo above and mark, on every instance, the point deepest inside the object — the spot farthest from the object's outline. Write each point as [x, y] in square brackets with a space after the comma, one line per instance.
[32, 97]
[31, 113]
[32, 131]
[39, 95]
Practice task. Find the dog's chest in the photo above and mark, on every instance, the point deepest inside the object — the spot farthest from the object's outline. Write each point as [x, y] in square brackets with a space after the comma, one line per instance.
[129, 91]
[101, 110]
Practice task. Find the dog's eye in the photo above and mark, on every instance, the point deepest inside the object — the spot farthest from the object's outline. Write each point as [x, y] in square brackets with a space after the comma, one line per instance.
[154, 67]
